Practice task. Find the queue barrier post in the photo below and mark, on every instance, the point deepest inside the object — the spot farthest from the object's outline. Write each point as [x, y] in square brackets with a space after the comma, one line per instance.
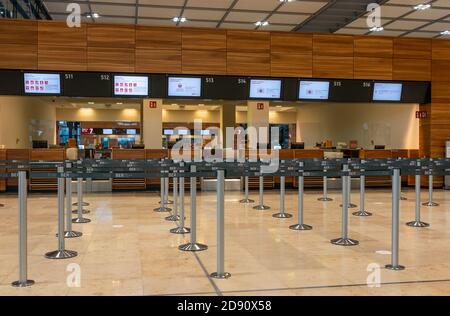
[23, 249]
[417, 222]
[181, 229]
[246, 199]
[174, 217]
[362, 198]
[301, 184]
[261, 206]
[430, 202]
[69, 233]
[80, 219]
[325, 197]
[282, 213]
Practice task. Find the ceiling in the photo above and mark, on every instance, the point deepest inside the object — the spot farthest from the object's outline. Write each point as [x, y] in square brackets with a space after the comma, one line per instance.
[398, 16]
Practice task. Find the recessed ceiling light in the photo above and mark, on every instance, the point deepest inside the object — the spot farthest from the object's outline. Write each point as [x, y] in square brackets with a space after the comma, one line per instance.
[91, 103]
[422, 6]
[446, 32]
[119, 103]
[262, 23]
[181, 19]
[376, 29]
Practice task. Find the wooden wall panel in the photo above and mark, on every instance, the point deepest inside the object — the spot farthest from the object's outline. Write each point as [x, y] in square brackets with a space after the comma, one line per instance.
[415, 48]
[62, 58]
[57, 33]
[333, 45]
[441, 70]
[373, 68]
[15, 56]
[24, 32]
[204, 39]
[158, 61]
[441, 49]
[440, 92]
[2, 181]
[248, 41]
[440, 113]
[158, 38]
[204, 62]
[291, 65]
[333, 67]
[253, 64]
[110, 59]
[111, 35]
[290, 43]
[374, 46]
[411, 69]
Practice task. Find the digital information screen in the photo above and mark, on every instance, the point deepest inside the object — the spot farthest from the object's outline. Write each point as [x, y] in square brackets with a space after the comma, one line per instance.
[131, 132]
[265, 89]
[107, 131]
[314, 90]
[387, 91]
[38, 83]
[184, 87]
[131, 85]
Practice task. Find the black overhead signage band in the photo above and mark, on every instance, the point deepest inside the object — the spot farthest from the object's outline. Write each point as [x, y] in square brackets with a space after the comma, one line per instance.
[134, 85]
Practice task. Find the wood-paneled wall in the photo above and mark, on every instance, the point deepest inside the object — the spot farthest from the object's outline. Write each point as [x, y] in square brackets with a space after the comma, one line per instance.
[51, 45]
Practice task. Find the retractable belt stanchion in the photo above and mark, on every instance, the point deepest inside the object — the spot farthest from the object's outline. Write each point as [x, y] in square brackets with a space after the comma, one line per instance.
[362, 191]
[282, 213]
[349, 184]
[166, 192]
[61, 253]
[174, 217]
[301, 184]
[80, 219]
[162, 208]
[80, 199]
[395, 221]
[344, 240]
[23, 252]
[246, 200]
[325, 197]
[417, 222]
[261, 206]
[430, 202]
[69, 233]
[181, 229]
[193, 245]
[220, 273]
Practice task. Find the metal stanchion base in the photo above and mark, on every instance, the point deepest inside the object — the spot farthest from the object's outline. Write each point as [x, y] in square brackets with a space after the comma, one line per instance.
[167, 202]
[162, 209]
[418, 224]
[172, 218]
[192, 247]
[344, 242]
[362, 213]
[282, 215]
[82, 211]
[261, 207]
[180, 230]
[22, 284]
[82, 203]
[300, 227]
[61, 254]
[325, 199]
[216, 275]
[71, 234]
[81, 220]
[246, 201]
[351, 205]
[430, 204]
[395, 268]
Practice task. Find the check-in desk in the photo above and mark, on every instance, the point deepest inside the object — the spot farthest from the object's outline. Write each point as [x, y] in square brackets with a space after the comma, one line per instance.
[310, 182]
[37, 184]
[128, 184]
[376, 181]
[2, 181]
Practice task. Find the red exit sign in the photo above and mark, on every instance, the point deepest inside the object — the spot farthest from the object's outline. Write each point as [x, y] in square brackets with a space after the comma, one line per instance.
[421, 114]
[152, 104]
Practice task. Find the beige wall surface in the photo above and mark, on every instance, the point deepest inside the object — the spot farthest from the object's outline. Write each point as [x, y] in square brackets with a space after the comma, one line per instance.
[23, 119]
[104, 115]
[393, 125]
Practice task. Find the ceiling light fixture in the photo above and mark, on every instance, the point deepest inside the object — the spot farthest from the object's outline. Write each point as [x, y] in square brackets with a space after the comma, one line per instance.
[446, 32]
[376, 29]
[94, 15]
[422, 6]
[262, 23]
[180, 19]
[91, 103]
[119, 103]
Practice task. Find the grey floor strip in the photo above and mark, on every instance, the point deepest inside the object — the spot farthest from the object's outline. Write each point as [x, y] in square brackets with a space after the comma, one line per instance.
[303, 287]
[214, 285]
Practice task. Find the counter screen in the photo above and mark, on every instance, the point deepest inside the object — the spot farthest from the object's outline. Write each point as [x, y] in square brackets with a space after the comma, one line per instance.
[265, 89]
[36, 83]
[184, 87]
[387, 91]
[314, 90]
[131, 85]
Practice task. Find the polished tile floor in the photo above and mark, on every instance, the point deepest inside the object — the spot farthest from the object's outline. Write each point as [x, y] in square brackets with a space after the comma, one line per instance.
[127, 248]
